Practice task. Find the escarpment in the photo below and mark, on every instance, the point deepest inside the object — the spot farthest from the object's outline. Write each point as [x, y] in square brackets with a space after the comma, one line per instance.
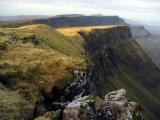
[119, 62]
[71, 85]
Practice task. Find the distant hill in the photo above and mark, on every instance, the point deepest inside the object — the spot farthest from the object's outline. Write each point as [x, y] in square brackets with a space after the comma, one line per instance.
[139, 30]
[22, 17]
[133, 22]
[154, 30]
[149, 39]
[71, 21]
[70, 15]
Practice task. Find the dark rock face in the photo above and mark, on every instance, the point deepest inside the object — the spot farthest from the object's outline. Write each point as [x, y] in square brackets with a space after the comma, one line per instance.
[81, 86]
[105, 113]
[100, 45]
[106, 38]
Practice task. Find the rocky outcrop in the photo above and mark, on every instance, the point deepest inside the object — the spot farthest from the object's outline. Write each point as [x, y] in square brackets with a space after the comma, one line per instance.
[116, 106]
[123, 109]
[80, 109]
[81, 86]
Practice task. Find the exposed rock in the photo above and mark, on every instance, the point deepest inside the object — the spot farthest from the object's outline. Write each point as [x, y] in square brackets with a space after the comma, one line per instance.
[117, 97]
[105, 113]
[34, 39]
[80, 109]
[81, 86]
[121, 107]
[116, 106]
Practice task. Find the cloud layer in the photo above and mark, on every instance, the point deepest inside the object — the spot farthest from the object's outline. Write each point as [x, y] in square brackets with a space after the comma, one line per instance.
[147, 11]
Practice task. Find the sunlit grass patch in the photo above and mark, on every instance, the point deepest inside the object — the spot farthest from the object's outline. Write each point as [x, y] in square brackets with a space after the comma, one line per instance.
[72, 31]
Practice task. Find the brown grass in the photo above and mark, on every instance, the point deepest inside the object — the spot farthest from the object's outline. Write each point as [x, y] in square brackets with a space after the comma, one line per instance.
[45, 67]
[31, 27]
[72, 31]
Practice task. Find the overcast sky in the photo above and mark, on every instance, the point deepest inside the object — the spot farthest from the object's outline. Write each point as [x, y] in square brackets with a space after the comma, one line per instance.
[147, 11]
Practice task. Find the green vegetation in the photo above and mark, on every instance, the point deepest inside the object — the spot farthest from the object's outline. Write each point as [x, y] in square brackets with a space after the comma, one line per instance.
[12, 105]
[31, 69]
[48, 37]
[3, 43]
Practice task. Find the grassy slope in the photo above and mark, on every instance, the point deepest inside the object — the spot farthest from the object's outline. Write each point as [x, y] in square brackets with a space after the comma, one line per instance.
[50, 38]
[28, 70]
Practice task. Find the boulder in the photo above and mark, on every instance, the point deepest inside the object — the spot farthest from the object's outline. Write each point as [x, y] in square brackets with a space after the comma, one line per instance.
[120, 107]
[80, 109]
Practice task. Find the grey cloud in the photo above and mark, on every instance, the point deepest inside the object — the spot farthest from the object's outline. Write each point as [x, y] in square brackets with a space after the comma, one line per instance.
[124, 8]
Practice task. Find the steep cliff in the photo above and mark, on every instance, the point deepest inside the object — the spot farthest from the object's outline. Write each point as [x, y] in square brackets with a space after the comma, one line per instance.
[49, 74]
[119, 62]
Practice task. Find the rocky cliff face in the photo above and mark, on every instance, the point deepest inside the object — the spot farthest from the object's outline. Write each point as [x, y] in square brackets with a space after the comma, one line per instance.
[119, 62]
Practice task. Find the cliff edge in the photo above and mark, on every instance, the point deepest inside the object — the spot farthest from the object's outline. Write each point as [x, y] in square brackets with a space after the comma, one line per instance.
[119, 62]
